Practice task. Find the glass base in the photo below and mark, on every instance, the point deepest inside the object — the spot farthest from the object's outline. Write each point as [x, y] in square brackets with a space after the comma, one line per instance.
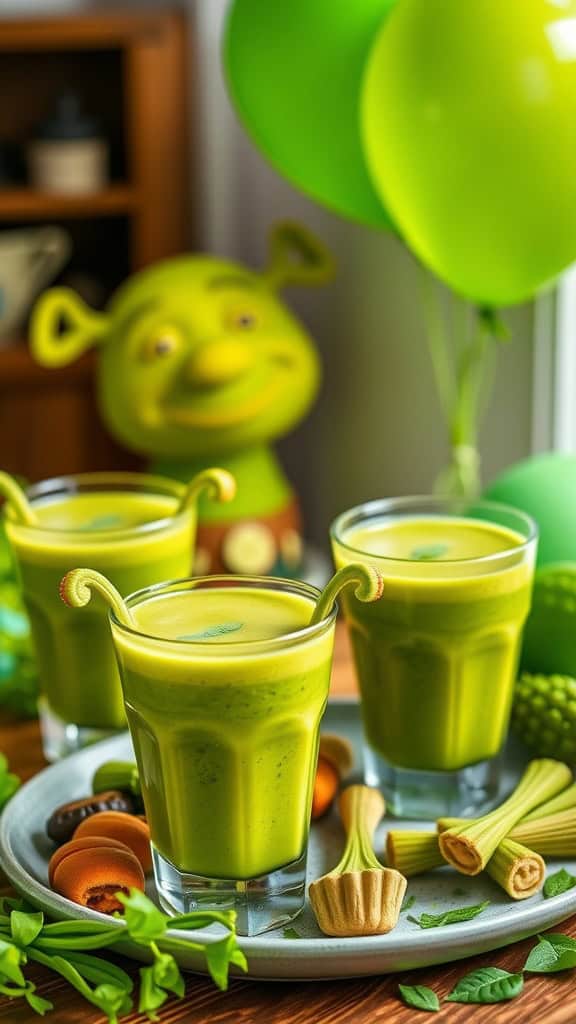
[60, 738]
[261, 904]
[468, 792]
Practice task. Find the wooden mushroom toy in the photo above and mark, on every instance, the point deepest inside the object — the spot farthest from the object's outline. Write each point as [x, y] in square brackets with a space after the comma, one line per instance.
[359, 896]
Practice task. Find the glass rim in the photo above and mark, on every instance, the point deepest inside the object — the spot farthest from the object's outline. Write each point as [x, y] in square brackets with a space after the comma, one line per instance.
[75, 483]
[274, 583]
[370, 509]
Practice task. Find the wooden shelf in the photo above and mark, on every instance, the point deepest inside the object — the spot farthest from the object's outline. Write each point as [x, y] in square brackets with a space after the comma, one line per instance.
[90, 29]
[26, 203]
[18, 367]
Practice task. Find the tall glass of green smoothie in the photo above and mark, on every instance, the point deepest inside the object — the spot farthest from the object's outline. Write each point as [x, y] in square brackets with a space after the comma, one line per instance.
[436, 657]
[127, 525]
[225, 683]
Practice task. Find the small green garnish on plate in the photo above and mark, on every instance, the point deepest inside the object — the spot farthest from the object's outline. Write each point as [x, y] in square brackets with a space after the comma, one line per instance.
[558, 883]
[408, 904]
[291, 933]
[487, 985]
[449, 916]
[428, 552]
[420, 998]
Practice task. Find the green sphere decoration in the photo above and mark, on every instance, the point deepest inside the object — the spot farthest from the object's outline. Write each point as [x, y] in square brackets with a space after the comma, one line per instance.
[294, 71]
[468, 114]
[544, 486]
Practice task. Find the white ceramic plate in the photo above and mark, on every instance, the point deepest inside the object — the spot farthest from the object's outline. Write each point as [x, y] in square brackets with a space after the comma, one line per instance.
[25, 850]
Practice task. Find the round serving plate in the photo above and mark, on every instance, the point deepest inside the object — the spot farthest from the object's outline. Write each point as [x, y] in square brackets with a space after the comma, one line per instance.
[25, 851]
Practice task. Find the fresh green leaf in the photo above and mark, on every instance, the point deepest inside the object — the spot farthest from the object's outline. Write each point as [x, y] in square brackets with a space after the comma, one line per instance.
[219, 955]
[37, 1003]
[427, 552]
[291, 933]
[558, 883]
[204, 919]
[487, 985]
[553, 953]
[408, 904]
[151, 996]
[166, 972]
[10, 960]
[100, 971]
[220, 630]
[25, 927]
[112, 1000]
[144, 921]
[450, 916]
[420, 998]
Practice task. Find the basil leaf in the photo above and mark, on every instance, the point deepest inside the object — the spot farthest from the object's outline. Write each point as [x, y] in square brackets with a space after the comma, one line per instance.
[144, 921]
[408, 904]
[487, 985]
[553, 953]
[449, 916]
[420, 998]
[219, 955]
[25, 927]
[10, 960]
[556, 884]
[426, 552]
[291, 933]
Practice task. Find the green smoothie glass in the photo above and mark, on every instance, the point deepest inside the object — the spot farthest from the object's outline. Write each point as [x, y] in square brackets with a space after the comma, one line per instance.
[436, 657]
[225, 683]
[131, 527]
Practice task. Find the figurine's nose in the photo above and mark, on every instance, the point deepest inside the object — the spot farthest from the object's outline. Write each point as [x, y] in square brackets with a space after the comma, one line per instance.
[219, 362]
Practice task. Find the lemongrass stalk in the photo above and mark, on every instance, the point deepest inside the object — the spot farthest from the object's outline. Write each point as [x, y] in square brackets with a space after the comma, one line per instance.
[468, 848]
[518, 870]
[413, 853]
[565, 801]
[554, 836]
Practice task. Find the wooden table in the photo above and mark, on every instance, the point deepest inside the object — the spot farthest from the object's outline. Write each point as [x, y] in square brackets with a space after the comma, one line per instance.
[363, 1001]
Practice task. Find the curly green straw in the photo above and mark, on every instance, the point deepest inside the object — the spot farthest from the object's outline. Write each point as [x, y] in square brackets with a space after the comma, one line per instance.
[76, 591]
[219, 483]
[17, 499]
[369, 587]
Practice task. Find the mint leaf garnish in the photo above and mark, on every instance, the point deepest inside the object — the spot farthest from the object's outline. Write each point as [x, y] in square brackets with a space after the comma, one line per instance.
[102, 523]
[291, 933]
[408, 904]
[419, 997]
[427, 552]
[558, 883]
[449, 916]
[212, 631]
[487, 985]
[553, 953]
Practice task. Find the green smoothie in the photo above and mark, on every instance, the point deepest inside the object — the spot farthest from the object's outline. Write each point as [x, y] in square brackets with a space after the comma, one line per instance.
[436, 657]
[124, 525]
[224, 695]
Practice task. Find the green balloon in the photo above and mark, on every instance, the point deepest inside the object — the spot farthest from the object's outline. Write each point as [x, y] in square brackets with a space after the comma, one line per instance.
[294, 70]
[468, 117]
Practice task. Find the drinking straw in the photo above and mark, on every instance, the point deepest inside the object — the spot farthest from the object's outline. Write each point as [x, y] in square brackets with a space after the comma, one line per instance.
[76, 590]
[219, 483]
[370, 585]
[17, 500]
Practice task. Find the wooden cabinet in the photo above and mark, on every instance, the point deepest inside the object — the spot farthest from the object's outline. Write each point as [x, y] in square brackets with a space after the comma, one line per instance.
[131, 72]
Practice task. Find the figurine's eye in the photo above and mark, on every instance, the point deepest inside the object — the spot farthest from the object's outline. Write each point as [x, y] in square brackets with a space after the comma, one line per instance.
[244, 320]
[162, 343]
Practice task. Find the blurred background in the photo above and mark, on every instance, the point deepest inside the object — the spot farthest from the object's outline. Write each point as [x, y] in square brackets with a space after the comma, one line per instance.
[164, 166]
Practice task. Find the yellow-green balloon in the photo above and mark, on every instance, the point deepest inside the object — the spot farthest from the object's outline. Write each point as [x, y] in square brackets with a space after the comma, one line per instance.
[294, 70]
[469, 126]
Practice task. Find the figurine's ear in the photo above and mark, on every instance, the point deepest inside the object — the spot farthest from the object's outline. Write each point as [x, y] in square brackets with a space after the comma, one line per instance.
[62, 327]
[296, 256]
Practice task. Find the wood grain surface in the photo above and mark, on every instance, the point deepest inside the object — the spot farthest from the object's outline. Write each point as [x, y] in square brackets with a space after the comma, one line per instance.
[361, 1001]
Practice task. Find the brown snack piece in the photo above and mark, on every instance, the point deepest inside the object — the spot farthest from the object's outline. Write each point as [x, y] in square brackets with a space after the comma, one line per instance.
[92, 876]
[325, 787]
[89, 843]
[125, 828]
[64, 821]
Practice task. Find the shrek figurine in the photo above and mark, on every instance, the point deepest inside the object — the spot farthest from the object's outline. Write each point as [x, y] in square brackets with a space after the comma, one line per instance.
[201, 363]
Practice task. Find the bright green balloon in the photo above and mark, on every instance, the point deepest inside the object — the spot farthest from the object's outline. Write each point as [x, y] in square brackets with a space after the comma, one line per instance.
[469, 126]
[294, 70]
